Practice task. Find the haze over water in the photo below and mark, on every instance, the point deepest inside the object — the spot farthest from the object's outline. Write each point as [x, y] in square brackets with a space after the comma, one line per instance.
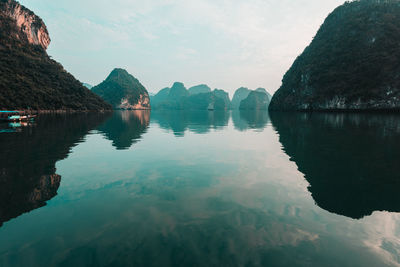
[201, 189]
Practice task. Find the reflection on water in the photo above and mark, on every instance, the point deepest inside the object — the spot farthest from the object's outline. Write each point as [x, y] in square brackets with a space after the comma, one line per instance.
[250, 119]
[28, 158]
[200, 189]
[350, 160]
[195, 121]
[125, 128]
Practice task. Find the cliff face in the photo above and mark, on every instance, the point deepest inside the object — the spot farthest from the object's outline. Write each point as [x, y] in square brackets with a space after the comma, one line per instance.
[256, 100]
[222, 97]
[215, 100]
[29, 78]
[352, 62]
[171, 98]
[240, 94]
[123, 91]
[30, 25]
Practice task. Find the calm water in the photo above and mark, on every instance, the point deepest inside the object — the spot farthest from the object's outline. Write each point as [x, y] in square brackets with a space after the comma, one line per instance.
[201, 189]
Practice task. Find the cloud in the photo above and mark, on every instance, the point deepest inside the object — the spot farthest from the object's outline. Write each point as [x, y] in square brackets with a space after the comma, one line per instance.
[246, 42]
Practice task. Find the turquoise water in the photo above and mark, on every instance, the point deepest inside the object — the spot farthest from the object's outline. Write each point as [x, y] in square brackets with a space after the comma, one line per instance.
[201, 189]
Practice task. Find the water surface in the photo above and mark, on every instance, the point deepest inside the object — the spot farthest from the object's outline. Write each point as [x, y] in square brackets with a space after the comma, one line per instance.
[201, 189]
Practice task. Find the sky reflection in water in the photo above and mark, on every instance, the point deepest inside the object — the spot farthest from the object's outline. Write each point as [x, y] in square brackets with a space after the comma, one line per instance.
[202, 189]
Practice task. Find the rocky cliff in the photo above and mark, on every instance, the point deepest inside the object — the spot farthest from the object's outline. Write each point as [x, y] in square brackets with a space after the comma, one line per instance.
[256, 100]
[171, 98]
[352, 62]
[31, 26]
[29, 78]
[123, 91]
[199, 89]
[200, 98]
[239, 95]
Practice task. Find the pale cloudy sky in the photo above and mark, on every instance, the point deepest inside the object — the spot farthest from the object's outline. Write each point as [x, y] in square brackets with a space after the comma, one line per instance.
[225, 44]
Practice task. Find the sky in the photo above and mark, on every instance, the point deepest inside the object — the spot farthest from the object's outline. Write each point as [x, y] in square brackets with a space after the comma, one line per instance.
[224, 44]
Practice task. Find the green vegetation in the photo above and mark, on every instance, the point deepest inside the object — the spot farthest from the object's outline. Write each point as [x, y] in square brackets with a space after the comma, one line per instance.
[30, 79]
[352, 63]
[199, 89]
[120, 85]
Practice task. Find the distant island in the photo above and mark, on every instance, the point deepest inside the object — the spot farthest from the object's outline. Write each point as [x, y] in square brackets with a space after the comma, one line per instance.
[351, 64]
[256, 100]
[200, 97]
[29, 78]
[123, 91]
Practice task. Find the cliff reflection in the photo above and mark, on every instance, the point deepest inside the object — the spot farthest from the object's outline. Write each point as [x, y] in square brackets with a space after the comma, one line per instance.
[195, 121]
[27, 161]
[350, 160]
[125, 128]
[250, 119]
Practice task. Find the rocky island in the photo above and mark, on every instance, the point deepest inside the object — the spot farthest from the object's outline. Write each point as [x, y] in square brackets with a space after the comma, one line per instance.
[256, 100]
[351, 64]
[29, 78]
[123, 91]
[199, 97]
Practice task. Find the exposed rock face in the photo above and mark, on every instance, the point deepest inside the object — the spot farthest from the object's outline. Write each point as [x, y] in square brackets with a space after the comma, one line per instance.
[240, 94]
[123, 91]
[199, 89]
[31, 25]
[256, 100]
[349, 159]
[29, 78]
[352, 63]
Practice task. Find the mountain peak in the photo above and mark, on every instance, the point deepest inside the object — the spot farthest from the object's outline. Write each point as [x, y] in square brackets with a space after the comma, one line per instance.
[178, 84]
[123, 91]
[118, 72]
[199, 89]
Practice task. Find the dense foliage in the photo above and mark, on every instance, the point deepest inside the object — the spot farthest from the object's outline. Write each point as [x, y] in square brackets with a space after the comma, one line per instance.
[30, 79]
[120, 85]
[352, 63]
